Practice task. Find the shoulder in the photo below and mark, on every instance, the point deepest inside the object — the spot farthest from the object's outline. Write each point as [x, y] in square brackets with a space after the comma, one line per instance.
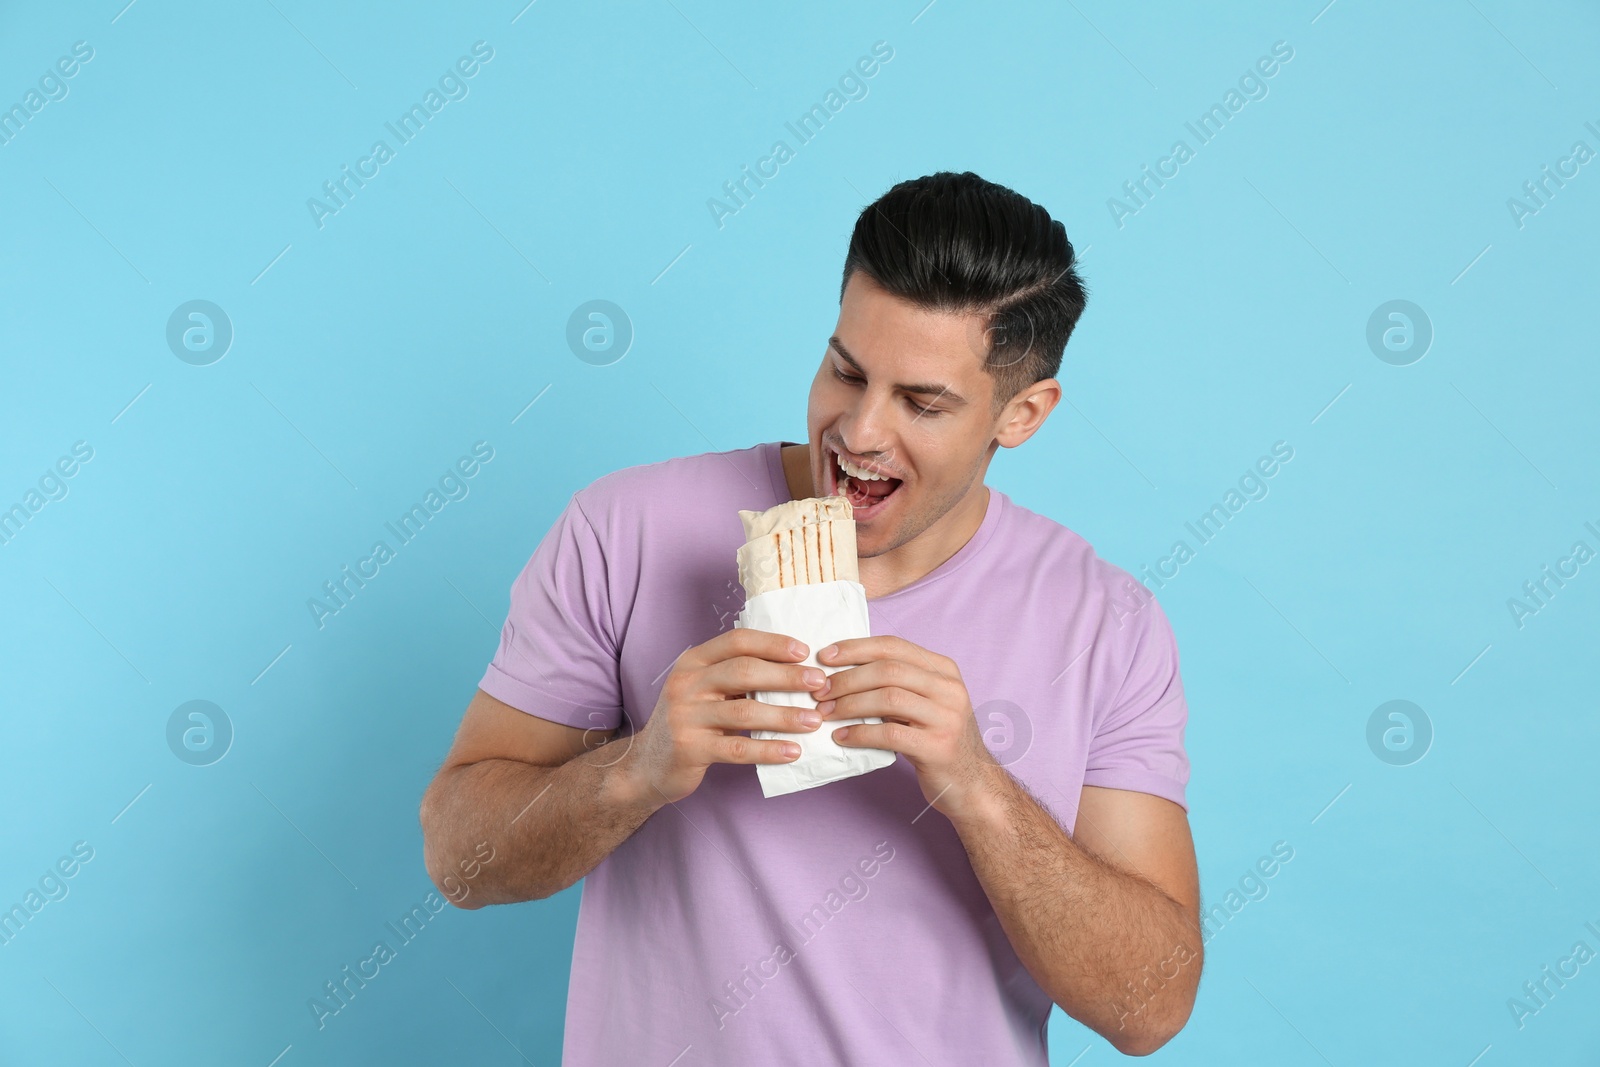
[1058, 554]
[1063, 561]
[669, 492]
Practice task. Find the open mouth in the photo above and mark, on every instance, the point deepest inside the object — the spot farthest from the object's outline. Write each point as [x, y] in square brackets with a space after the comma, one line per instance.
[868, 496]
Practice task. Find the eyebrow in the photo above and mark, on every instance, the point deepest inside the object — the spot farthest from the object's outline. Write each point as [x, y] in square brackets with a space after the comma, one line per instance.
[929, 389]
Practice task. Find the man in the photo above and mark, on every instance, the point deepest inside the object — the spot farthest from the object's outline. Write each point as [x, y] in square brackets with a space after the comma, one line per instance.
[1029, 846]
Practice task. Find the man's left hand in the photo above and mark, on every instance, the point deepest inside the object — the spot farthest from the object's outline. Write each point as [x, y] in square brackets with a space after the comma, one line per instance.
[927, 716]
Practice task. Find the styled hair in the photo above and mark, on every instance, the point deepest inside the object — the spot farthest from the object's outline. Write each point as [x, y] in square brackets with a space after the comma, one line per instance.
[956, 243]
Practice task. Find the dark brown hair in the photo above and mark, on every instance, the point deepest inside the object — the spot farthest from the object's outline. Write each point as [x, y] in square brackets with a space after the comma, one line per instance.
[956, 243]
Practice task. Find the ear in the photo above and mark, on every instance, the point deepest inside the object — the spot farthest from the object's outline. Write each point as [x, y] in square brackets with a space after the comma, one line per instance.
[1026, 412]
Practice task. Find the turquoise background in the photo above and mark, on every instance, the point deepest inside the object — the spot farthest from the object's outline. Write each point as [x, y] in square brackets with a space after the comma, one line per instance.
[1229, 313]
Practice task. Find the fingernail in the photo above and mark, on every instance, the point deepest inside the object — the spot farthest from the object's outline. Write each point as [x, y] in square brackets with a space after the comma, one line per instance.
[813, 677]
[826, 706]
[791, 750]
[811, 717]
[842, 733]
[829, 652]
[797, 649]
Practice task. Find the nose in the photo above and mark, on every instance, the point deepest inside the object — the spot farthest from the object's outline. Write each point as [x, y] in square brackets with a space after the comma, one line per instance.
[863, 430]
[868, 424]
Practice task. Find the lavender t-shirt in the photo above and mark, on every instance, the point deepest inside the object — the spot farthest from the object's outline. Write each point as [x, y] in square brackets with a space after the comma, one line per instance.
[844, 923]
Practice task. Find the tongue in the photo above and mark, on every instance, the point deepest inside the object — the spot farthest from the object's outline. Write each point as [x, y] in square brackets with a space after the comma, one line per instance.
[874, 489]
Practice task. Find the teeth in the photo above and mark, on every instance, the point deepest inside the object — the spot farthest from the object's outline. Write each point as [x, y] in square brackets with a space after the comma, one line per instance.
[857, 472]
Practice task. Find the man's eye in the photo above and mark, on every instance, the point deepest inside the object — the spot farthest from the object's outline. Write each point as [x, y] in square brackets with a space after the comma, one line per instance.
[850, 379]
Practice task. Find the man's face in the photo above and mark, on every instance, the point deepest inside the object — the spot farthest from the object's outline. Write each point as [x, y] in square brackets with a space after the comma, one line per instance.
[936, 441]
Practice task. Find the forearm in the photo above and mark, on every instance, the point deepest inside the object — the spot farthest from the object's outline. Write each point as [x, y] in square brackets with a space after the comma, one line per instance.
[1110, 947]
[547, 826]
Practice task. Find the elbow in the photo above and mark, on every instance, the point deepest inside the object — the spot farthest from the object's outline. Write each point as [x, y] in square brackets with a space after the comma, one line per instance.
[1151, 1035]
[1160, 1005]
[1139, 1044]
[433, 860]
[453, 888]
[461, 880]
[430, 850]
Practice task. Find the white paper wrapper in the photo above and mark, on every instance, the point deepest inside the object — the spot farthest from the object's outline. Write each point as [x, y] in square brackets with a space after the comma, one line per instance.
[818, 614]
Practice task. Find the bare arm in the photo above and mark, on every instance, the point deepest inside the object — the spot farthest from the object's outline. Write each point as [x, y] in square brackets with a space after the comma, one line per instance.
[524, 807]
[1106, 920]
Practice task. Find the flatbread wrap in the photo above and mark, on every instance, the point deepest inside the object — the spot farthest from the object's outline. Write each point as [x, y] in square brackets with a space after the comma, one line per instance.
[801, 578]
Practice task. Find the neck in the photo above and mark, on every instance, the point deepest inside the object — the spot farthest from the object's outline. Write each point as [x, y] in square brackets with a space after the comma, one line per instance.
[891, 571]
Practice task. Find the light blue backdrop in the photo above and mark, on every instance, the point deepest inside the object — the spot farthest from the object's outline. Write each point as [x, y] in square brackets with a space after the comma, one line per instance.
[1230, 311]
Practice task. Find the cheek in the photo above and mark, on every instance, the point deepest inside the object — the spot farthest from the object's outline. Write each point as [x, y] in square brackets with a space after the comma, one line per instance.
[825, 402]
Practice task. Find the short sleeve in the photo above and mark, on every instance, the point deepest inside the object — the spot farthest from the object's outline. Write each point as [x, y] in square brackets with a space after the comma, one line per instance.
[1138, 742]
[558, 655]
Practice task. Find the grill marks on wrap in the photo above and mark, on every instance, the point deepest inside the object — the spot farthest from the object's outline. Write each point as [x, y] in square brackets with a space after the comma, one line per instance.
[805, 549]
[783, 552]
[825, 569]
[819, 551]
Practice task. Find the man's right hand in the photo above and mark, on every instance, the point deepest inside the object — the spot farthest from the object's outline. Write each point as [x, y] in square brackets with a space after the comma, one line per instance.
[704, 706]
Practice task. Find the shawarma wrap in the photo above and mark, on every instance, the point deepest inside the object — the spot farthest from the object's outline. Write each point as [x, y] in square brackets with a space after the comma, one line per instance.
[799, 542]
